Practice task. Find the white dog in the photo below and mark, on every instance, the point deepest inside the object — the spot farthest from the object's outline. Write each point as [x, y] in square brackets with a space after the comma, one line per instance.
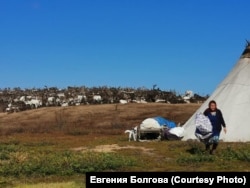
[132, 134]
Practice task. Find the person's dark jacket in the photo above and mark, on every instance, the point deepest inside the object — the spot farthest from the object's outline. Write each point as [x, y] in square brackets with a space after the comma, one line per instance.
[217, 121]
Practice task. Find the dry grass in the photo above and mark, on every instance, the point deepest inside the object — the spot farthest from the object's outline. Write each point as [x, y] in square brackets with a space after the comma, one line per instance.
[86, 125]
[91, 119]
[50, 185]
[100, 128]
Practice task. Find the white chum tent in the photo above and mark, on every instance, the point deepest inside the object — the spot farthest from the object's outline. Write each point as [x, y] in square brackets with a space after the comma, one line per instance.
[233, 99]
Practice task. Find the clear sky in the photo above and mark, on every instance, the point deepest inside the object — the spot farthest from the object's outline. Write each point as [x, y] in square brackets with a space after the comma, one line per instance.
[176, 44]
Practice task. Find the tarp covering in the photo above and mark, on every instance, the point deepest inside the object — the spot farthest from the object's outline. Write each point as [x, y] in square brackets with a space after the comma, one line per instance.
[177, 131]
[157, 123]
[165, 122]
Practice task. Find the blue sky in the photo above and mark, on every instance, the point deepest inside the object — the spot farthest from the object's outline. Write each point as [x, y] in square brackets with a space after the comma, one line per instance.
[176, 44]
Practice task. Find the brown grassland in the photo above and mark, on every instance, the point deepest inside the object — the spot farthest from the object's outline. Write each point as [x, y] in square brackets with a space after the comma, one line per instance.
[56, 145]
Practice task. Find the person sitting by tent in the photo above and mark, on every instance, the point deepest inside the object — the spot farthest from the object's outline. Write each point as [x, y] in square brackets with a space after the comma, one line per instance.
[216, 118]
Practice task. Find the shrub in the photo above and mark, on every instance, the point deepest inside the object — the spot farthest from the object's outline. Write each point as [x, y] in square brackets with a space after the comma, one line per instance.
[61, 163]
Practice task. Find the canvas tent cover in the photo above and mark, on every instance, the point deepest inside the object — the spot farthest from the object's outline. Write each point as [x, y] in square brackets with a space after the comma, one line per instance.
[233, 99]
